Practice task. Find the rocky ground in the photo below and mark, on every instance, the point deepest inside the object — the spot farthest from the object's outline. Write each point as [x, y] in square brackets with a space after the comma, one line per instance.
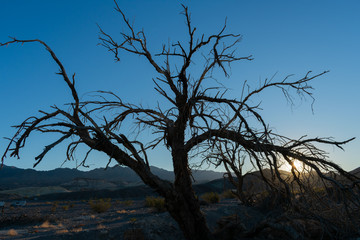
[124, 220]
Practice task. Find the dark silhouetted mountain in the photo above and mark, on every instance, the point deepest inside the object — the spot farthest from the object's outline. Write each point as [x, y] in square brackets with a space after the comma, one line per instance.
[120, 182]
[356, 172]
[12, 177]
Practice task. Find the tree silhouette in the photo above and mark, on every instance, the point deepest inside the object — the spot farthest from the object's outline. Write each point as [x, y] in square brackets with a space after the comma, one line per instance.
[194, 119]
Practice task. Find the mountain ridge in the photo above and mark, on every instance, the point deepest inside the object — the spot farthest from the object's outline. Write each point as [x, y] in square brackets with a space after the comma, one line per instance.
[13, 177]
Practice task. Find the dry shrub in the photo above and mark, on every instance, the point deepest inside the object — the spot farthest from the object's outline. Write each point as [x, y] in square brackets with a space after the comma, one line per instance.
[12, 232]
[122, 211]
[100, 205]
[76, 230]
[126, 202]
[60, 225]
[210, 197]
[66, 207]
[46, 224]
[156, 202]
[54, 206]
[228, 194]
[100, 226]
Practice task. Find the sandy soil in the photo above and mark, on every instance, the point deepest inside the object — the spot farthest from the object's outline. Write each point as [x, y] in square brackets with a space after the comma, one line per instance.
[76, 220]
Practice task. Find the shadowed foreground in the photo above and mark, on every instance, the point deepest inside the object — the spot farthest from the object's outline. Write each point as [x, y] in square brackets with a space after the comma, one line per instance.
[75, 220]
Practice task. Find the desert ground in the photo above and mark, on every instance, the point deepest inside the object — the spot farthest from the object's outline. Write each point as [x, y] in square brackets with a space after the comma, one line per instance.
[126, 219]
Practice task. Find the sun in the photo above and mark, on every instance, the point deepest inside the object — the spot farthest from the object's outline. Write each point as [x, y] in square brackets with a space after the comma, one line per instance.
[298, 165]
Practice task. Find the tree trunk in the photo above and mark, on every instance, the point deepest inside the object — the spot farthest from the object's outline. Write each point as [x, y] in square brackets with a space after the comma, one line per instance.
[183, 204]
[185, 209]
[181, 201]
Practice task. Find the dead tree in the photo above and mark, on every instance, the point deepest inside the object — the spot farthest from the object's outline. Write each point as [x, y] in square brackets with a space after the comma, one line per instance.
[231, 156]
[199, 116]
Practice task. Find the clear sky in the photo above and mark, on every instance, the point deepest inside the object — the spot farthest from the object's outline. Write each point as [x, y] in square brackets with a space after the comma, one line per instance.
[285, 37]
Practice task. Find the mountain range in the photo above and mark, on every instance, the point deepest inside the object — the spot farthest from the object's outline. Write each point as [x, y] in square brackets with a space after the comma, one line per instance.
[114, 182]
[117, 176]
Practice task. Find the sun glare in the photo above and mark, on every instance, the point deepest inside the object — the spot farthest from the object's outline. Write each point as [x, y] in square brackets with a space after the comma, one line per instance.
[296, 164]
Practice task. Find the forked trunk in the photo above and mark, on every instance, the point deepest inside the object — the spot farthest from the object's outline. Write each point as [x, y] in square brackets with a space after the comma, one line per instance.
[182, 203]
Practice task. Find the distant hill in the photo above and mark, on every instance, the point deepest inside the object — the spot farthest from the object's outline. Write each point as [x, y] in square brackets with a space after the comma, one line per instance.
[117, 176]
[115, 182]
[33, 191]
[356, 172]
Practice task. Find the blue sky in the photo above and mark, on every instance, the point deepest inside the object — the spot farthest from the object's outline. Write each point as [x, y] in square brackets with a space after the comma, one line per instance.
[285, 37]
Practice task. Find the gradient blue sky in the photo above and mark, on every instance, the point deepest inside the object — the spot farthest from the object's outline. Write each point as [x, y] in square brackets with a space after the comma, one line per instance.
[285, 37]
